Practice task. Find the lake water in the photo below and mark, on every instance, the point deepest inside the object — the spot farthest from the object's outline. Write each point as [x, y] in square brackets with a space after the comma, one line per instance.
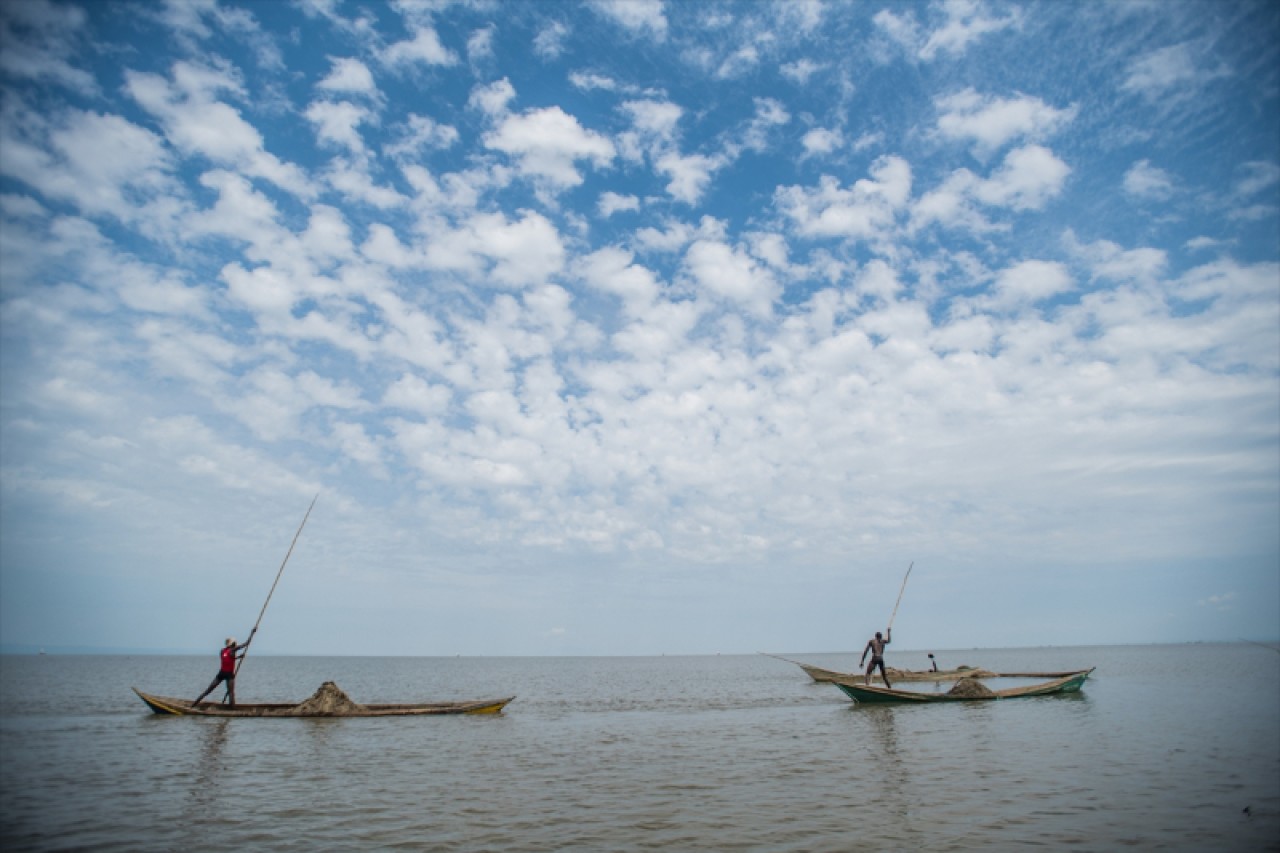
[1164, 749]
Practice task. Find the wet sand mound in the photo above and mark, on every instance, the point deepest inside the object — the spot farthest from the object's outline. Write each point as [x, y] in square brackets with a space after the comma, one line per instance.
[328, 701]
[970, 688]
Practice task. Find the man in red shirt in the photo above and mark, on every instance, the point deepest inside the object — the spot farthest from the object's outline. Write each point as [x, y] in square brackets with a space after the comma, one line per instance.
[227, 668]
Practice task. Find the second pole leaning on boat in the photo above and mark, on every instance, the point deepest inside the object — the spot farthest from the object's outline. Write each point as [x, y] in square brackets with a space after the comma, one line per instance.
[277, 580]
[900, 592]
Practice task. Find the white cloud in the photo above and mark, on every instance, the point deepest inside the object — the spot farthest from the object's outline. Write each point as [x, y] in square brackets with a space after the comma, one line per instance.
[670, 238]
[1253, 212]
[211, 457]
[263, 290]
[50, 40]
[1145, 181]
[879, 281]
[422, 133]
[742, 61]
[1198, 244]
[148, 293]
[654, 120]
[805, 15]
[902, 29]
[357, 445]
[801, 70]
[637, 16]
[327, 236]
[1107, 260]
[195, 123]
[821, 141]
[480, 44]
[525, 251]
[338, 123]
[1027, 179]
[992, 122]
[416, 394]
[352, 179]
[731, 274]
[1029, 282]
[612, 270]
[101, 163]
[494, 98]
[425, 47]
[349, 76]
[965, 23]
[273, 402]
[653, 129]
[865, 211]
[1257, 176]
[588, 81]
[611, 202]
[1173, 70]
[240, 212]
[547, 144]
[690, 174]
[962, 23]
[178, 350]
[383, 246]
[660, 332]
[549, 42]
[868, 140]
[769, 113]
[533, 359]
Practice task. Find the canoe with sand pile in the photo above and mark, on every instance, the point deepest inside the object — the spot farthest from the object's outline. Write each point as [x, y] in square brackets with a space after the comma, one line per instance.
[328, 701]
[819, 674]
[965, 690]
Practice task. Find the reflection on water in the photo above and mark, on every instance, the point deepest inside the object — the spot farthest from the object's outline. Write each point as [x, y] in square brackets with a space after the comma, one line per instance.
[888, 770]
[205, 795]
[212, 749]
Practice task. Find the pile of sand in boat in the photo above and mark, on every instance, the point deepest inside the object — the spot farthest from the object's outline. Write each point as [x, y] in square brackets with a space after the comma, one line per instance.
[970, 688]
[328, 701]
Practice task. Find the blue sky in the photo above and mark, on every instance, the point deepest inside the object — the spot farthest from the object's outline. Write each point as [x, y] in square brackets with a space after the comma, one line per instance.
[639, 327]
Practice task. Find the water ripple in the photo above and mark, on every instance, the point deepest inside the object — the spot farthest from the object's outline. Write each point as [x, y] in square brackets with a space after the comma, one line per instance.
[715, 753]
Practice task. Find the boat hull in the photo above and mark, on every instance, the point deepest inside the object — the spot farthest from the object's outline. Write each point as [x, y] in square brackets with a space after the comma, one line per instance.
[871, 695]
[170, 706]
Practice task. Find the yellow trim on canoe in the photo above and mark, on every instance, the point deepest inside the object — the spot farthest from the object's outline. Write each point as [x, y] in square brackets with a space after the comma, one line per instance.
[160, 706]
[495, 708]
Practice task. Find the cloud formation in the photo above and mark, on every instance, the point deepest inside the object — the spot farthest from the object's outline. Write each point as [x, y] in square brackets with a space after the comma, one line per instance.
[641, 301]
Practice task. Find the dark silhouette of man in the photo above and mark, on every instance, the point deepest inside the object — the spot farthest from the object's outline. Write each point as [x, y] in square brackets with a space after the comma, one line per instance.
[876, 646]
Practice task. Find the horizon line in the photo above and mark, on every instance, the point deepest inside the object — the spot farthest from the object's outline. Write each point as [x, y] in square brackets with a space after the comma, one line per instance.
[27, 650]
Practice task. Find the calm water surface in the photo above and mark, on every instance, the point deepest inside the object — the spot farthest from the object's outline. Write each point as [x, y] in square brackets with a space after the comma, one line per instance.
[1164, 749]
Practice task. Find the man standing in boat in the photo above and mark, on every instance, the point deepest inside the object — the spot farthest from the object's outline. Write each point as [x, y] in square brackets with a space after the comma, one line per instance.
[876, 646]
[227, 668]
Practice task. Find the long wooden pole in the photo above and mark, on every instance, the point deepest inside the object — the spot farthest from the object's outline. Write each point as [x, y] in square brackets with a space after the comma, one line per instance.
[900, 592]
[277, 580]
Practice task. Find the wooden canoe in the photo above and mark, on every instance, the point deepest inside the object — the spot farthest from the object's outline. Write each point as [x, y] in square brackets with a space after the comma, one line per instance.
[819, 674]
[328, 701]
[1070, 682]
